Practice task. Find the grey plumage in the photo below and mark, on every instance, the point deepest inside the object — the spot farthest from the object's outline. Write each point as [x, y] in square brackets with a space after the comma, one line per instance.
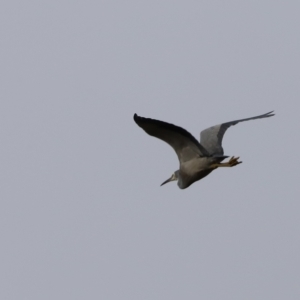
[211, 138]
[196, 159]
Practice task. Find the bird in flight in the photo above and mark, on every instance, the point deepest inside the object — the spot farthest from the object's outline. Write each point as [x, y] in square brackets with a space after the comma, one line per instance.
[196, 160]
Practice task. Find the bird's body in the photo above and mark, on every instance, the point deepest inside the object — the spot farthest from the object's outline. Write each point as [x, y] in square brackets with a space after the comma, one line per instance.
[197, 160]
[195, 169]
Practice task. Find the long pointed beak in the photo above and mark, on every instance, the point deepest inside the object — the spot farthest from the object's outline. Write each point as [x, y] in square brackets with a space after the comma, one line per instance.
[168, 180]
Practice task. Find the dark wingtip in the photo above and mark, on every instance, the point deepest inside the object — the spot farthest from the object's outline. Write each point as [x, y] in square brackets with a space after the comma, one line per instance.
[270, 114]
[138, 120]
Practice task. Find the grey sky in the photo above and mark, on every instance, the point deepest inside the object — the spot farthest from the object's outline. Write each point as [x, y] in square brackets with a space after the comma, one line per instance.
[82, 212]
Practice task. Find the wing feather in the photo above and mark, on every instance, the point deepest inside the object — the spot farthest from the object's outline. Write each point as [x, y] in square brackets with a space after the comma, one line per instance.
[184, 144]
[211, 138]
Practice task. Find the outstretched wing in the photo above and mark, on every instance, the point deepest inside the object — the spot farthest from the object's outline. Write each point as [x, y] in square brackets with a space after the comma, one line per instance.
[184, 144]
[211, 138]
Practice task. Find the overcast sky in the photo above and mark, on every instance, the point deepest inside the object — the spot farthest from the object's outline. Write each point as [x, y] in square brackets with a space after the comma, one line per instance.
[82, 213]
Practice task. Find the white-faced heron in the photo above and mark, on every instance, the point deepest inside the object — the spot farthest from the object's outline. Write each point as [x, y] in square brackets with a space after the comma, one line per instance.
[196, 159]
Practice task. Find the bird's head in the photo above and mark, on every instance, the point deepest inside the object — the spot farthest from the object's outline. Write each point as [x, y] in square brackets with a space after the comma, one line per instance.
[172, 178]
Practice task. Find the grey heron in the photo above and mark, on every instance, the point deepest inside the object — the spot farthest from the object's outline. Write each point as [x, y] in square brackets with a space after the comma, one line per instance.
[196, 160]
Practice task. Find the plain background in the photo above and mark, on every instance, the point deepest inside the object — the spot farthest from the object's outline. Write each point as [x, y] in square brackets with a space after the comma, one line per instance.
[82, 212]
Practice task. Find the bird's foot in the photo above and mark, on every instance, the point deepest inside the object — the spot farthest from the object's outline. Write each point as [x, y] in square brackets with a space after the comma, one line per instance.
[233, 161]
